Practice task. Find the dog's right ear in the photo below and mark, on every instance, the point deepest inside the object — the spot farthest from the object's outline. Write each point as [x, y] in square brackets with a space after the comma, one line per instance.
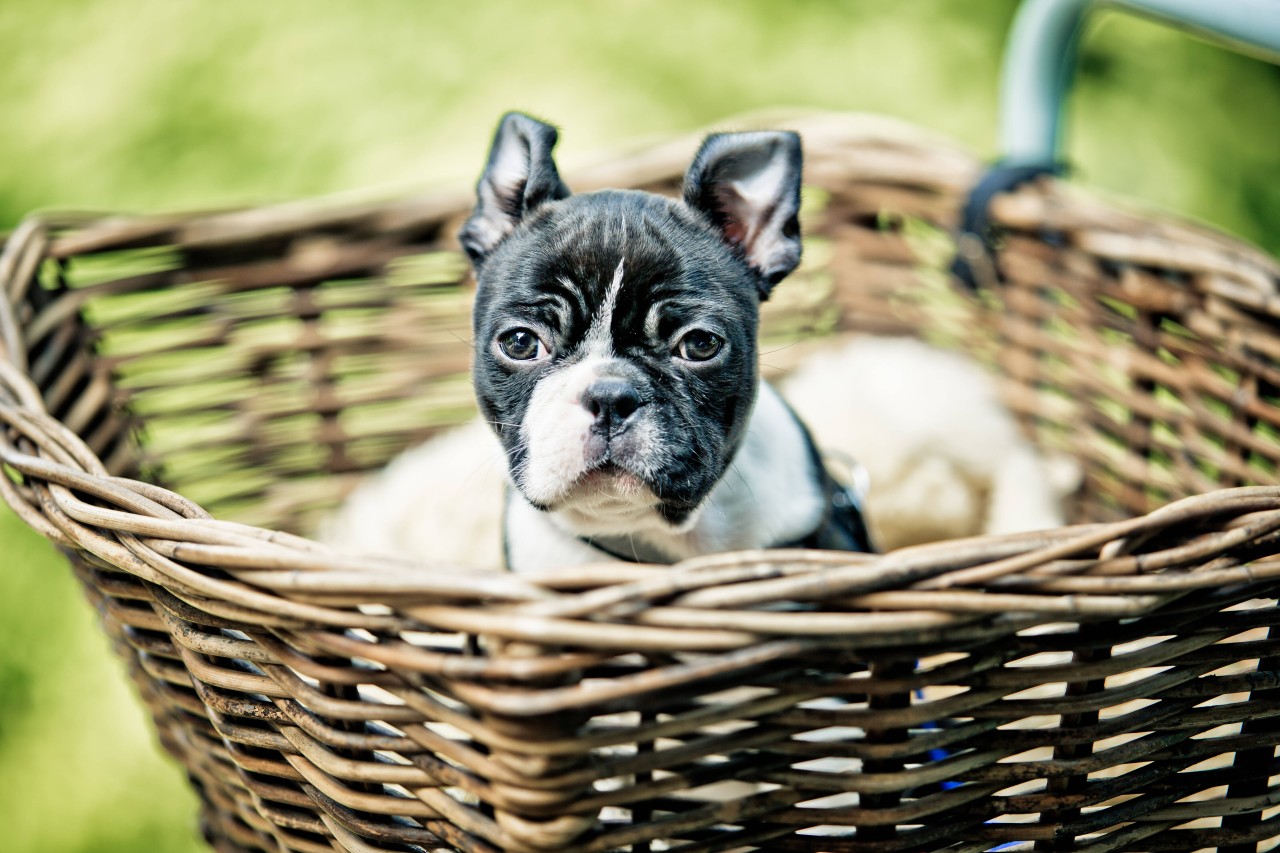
[748, 185]
[519, 178]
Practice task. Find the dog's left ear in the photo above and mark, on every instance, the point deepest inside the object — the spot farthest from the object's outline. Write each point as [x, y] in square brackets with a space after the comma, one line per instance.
[749, 186]
[519, 178]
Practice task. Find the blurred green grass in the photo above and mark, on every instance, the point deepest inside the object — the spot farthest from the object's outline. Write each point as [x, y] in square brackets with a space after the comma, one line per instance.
[78, 766]
[161, 104]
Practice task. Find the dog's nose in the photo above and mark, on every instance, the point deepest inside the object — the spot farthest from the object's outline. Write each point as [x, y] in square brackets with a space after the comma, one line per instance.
[612, 402]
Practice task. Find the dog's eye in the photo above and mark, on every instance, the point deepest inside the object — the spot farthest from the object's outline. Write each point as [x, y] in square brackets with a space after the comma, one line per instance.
[699, 345]
[520, 345]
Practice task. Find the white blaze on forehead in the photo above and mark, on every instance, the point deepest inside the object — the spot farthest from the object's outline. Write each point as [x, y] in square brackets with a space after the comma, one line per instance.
[611, 298]
[599, 340]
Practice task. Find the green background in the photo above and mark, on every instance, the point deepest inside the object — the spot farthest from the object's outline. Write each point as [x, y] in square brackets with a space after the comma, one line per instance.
[145, 105]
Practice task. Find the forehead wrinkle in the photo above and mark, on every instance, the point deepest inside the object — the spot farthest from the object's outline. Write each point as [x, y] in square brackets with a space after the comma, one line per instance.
[559, 294]
[574, 302]
[595, 244]
[548, 311]
[563, 311]
[680, 310]
[653, 318]
[618, 229]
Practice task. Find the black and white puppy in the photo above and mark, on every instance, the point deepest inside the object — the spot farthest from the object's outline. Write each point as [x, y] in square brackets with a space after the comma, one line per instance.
[615, 358]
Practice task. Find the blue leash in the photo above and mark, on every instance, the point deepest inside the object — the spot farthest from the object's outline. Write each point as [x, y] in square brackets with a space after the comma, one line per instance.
[937, 753]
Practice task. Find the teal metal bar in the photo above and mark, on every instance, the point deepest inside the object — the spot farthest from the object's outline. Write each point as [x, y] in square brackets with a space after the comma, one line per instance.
[1040, 58]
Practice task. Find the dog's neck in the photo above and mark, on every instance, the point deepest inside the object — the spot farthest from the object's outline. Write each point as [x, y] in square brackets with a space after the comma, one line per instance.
[775, 492]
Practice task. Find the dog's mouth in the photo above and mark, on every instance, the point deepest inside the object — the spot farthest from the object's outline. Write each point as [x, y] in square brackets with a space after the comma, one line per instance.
[611, 480]
[606, 498]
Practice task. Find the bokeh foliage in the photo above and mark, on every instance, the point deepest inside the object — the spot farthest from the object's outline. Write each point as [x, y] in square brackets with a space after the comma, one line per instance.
[147, 105]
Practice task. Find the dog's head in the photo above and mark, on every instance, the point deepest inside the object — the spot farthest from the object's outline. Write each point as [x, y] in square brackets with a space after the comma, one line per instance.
[615, 331]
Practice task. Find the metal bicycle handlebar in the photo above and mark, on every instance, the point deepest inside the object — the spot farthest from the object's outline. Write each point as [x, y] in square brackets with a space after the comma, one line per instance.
[1039, 60]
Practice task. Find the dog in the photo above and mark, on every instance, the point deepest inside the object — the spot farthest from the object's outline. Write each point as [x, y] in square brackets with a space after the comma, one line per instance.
[697, 468]
[615, 359]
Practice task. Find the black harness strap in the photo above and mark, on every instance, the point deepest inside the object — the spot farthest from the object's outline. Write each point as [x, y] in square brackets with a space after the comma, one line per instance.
[843, 527]
[973, 263]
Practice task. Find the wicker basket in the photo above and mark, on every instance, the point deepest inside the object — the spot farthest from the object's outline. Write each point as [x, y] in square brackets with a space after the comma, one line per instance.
[1109, 686]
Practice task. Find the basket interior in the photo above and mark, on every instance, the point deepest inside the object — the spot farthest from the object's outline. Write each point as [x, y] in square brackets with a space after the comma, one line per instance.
[261, 369]
[262, 374]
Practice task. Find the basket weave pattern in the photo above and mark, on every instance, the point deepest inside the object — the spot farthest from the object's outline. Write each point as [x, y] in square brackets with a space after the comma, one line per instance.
[1109, 686]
